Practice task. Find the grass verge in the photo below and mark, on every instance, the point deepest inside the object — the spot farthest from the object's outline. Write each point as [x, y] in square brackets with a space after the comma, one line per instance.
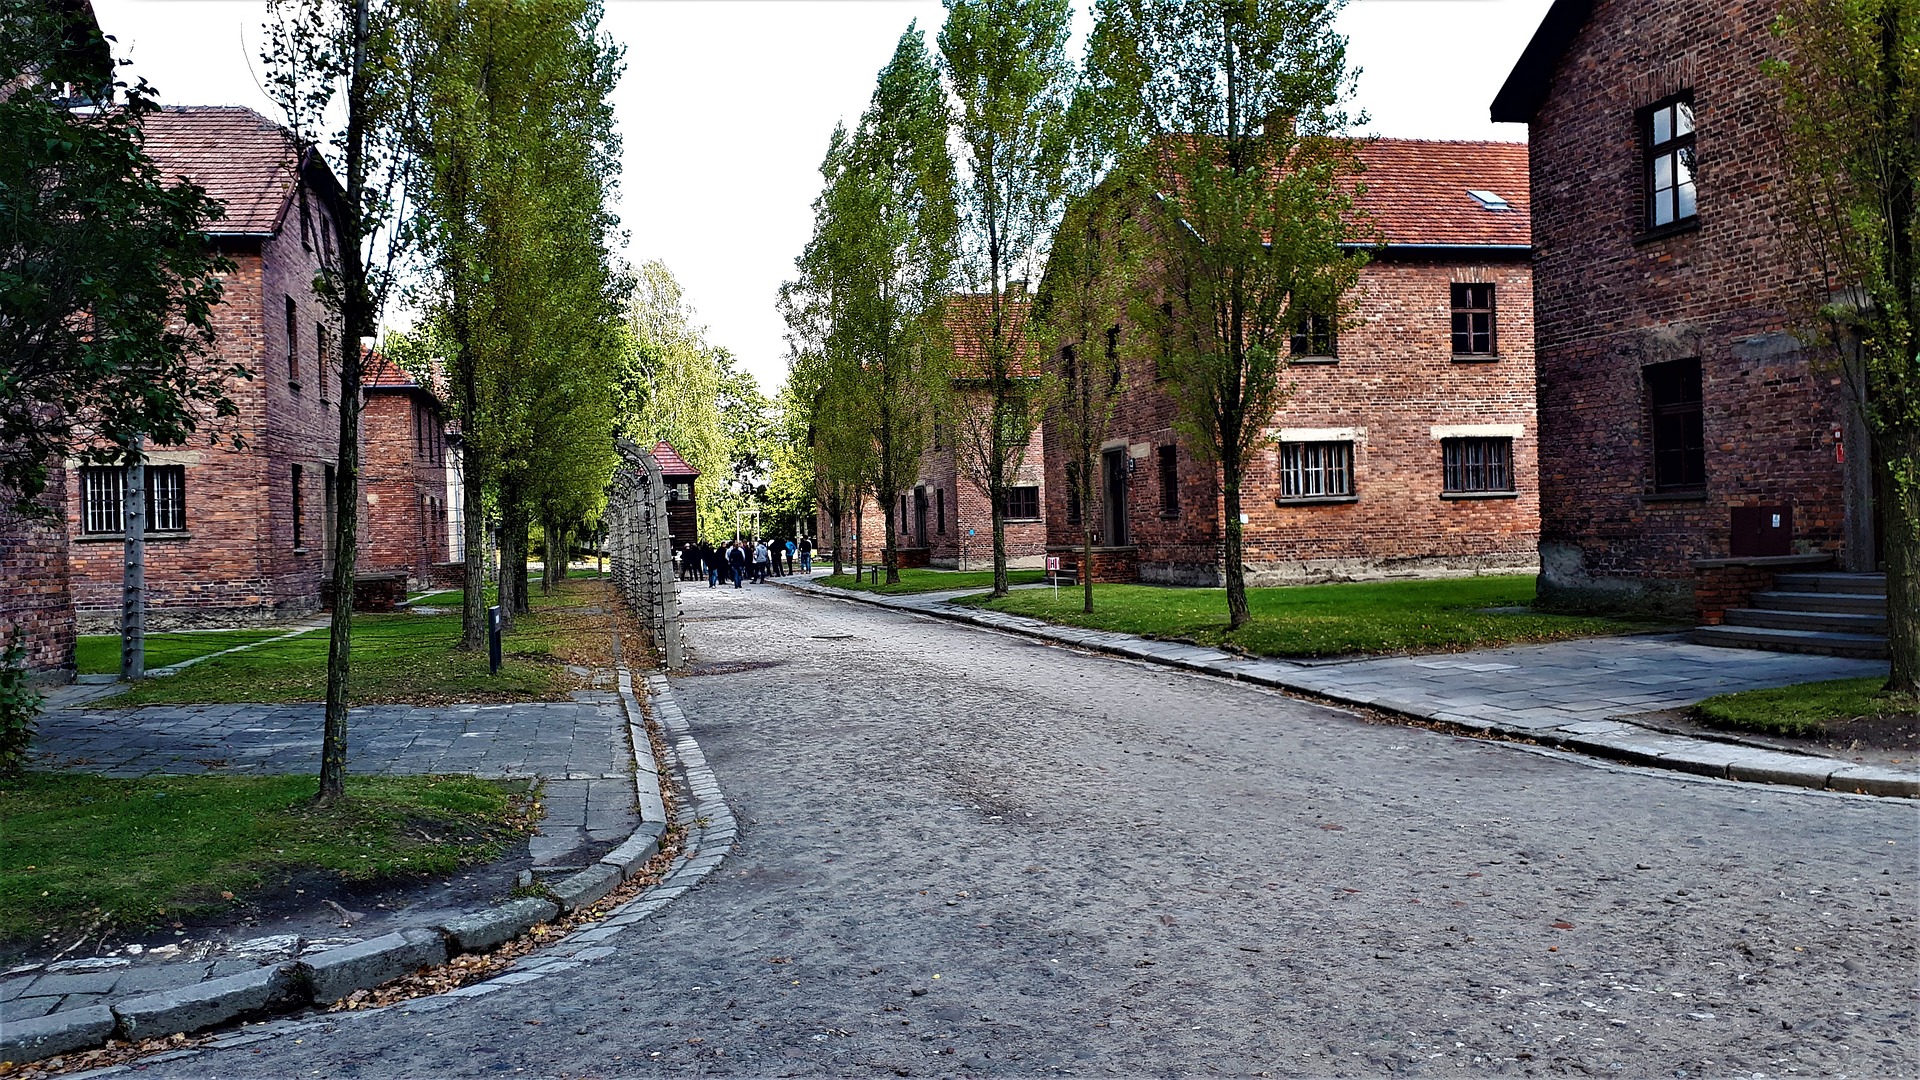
[1325, 620]
[403, 658]
[99, 654]
[1805, 709]
[919, 581]
[85, 849]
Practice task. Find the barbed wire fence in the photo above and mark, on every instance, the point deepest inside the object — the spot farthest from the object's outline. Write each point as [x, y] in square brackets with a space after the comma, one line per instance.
[640, 551]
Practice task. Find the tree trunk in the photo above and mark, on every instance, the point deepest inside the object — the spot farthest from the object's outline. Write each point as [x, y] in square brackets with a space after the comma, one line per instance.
[522, 546]
[837, 508]
[859, 536]
[357, 321]
[1235, 543]
[512, 557]
[133, 579]
[473, 527]
[1902, 514]
[890, 551]
[1000, 544]
[1086, 536]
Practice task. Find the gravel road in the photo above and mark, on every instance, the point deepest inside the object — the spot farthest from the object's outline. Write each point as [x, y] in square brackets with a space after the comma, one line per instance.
[969, 854]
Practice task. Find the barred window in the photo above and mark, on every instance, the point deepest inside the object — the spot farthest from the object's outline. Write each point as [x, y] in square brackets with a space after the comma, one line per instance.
[103, 496]
[1478, 464]
[299, 513]
[293, 344]
[320, 344]
[1314, 470]
[103, 491]
[166, 498]
[1023, 503]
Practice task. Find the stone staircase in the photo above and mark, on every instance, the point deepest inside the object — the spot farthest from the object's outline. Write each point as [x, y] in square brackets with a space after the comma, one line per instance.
[1835, 614]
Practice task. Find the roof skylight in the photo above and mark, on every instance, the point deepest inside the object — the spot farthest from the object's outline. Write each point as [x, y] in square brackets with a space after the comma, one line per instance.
[1488, 199]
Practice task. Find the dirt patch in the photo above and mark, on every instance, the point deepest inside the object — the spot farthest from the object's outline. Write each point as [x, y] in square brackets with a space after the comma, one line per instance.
[1883, 739]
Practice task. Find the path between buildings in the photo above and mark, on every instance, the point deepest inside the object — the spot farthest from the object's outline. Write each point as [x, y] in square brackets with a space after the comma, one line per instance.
[1579, 695]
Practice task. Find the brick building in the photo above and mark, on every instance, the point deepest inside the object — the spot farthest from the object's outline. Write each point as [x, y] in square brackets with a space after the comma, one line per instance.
[236, 534]
[1408, 446]
[403, 474]
[1681, 422]
[946, 519]
[36, 604]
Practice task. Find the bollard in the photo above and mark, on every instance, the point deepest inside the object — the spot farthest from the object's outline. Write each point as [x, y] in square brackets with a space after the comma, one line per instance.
[493, 640]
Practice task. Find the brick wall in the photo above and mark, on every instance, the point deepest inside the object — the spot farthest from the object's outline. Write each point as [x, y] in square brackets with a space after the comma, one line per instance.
[403, 480]
[36, 605]
[1612, 300]
[966, 504]
[1394, 390]
[237, 560]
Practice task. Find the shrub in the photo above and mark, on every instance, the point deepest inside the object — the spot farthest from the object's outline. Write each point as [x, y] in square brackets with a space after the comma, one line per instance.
[19, 705]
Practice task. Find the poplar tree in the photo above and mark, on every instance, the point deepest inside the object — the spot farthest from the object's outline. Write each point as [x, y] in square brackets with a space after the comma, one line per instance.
[1007, 62]
[1242, 106]
[1850, 122]
[895, 203]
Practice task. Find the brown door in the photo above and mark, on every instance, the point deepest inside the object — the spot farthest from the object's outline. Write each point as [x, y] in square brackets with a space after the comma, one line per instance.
[920, 517]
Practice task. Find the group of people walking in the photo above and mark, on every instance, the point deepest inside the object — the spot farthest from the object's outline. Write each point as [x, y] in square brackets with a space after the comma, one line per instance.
[740, 561]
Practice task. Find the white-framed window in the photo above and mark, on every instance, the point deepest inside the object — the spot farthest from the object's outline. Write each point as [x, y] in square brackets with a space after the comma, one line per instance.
[103, 497]
[1316, 470]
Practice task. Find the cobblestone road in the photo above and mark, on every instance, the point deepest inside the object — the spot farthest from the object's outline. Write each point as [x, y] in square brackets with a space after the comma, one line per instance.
[963, 853]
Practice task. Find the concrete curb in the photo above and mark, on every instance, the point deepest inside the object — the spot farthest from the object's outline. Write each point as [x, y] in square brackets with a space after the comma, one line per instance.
[1612, 739]
[322, 978]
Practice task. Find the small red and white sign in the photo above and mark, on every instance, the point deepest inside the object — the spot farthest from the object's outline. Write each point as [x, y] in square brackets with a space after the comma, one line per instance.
[1053, 564]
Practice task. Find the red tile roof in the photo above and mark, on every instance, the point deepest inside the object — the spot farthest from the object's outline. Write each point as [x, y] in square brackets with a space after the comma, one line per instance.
[241, 158]
[377, 370]
[969, 321]
[671, 463]
[1416, 191]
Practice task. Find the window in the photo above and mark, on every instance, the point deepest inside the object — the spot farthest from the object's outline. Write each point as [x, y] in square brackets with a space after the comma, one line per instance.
[1679, 425]
[320, 359]
[1316, 470]
[1023, 503]
[103, 494]
[1669, 141]
[1313, 337]
[1073, 493]
[1480, 464]
[1113, 360]
[293, 345]
[1170, 481]
[903, 513]
[940, 510]
[1472, 319]
[299, 540]
[166, 498]
[328, 498]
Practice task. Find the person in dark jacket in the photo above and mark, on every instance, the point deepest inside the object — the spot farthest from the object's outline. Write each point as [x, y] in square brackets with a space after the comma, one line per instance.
[806, 555]
[736, 561]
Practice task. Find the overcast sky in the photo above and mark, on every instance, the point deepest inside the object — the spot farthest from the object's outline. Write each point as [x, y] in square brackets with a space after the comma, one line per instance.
[726, 107]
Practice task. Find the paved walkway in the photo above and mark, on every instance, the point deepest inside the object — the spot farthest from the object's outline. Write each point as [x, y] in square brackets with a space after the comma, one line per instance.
[579, 748]
[1580, 695]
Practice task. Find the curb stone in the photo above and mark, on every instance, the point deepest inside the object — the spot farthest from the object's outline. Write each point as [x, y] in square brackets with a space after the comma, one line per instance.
[1611, 739]
[324, 977]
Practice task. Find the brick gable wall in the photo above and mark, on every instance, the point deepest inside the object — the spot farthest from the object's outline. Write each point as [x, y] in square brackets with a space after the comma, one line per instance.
[1612, 301]
[236, 561]
[403, 483]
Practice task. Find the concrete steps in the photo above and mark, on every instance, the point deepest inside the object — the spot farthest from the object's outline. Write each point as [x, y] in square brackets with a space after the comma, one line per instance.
[1833, 614]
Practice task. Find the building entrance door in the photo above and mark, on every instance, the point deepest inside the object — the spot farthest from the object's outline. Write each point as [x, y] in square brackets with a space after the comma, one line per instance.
[1113, 473]
[920, 517]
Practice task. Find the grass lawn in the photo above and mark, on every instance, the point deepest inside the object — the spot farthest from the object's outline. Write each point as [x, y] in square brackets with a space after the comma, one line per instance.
[1804, 709]
[1324, 620]
[919, 581]
[137, 853]
[99, 654]
[400, 657]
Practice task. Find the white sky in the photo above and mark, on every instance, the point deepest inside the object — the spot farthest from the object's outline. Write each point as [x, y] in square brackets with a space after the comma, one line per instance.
[726, 108]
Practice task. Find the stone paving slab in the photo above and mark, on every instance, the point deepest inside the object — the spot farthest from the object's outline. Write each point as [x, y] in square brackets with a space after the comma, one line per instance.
[1576, 695]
